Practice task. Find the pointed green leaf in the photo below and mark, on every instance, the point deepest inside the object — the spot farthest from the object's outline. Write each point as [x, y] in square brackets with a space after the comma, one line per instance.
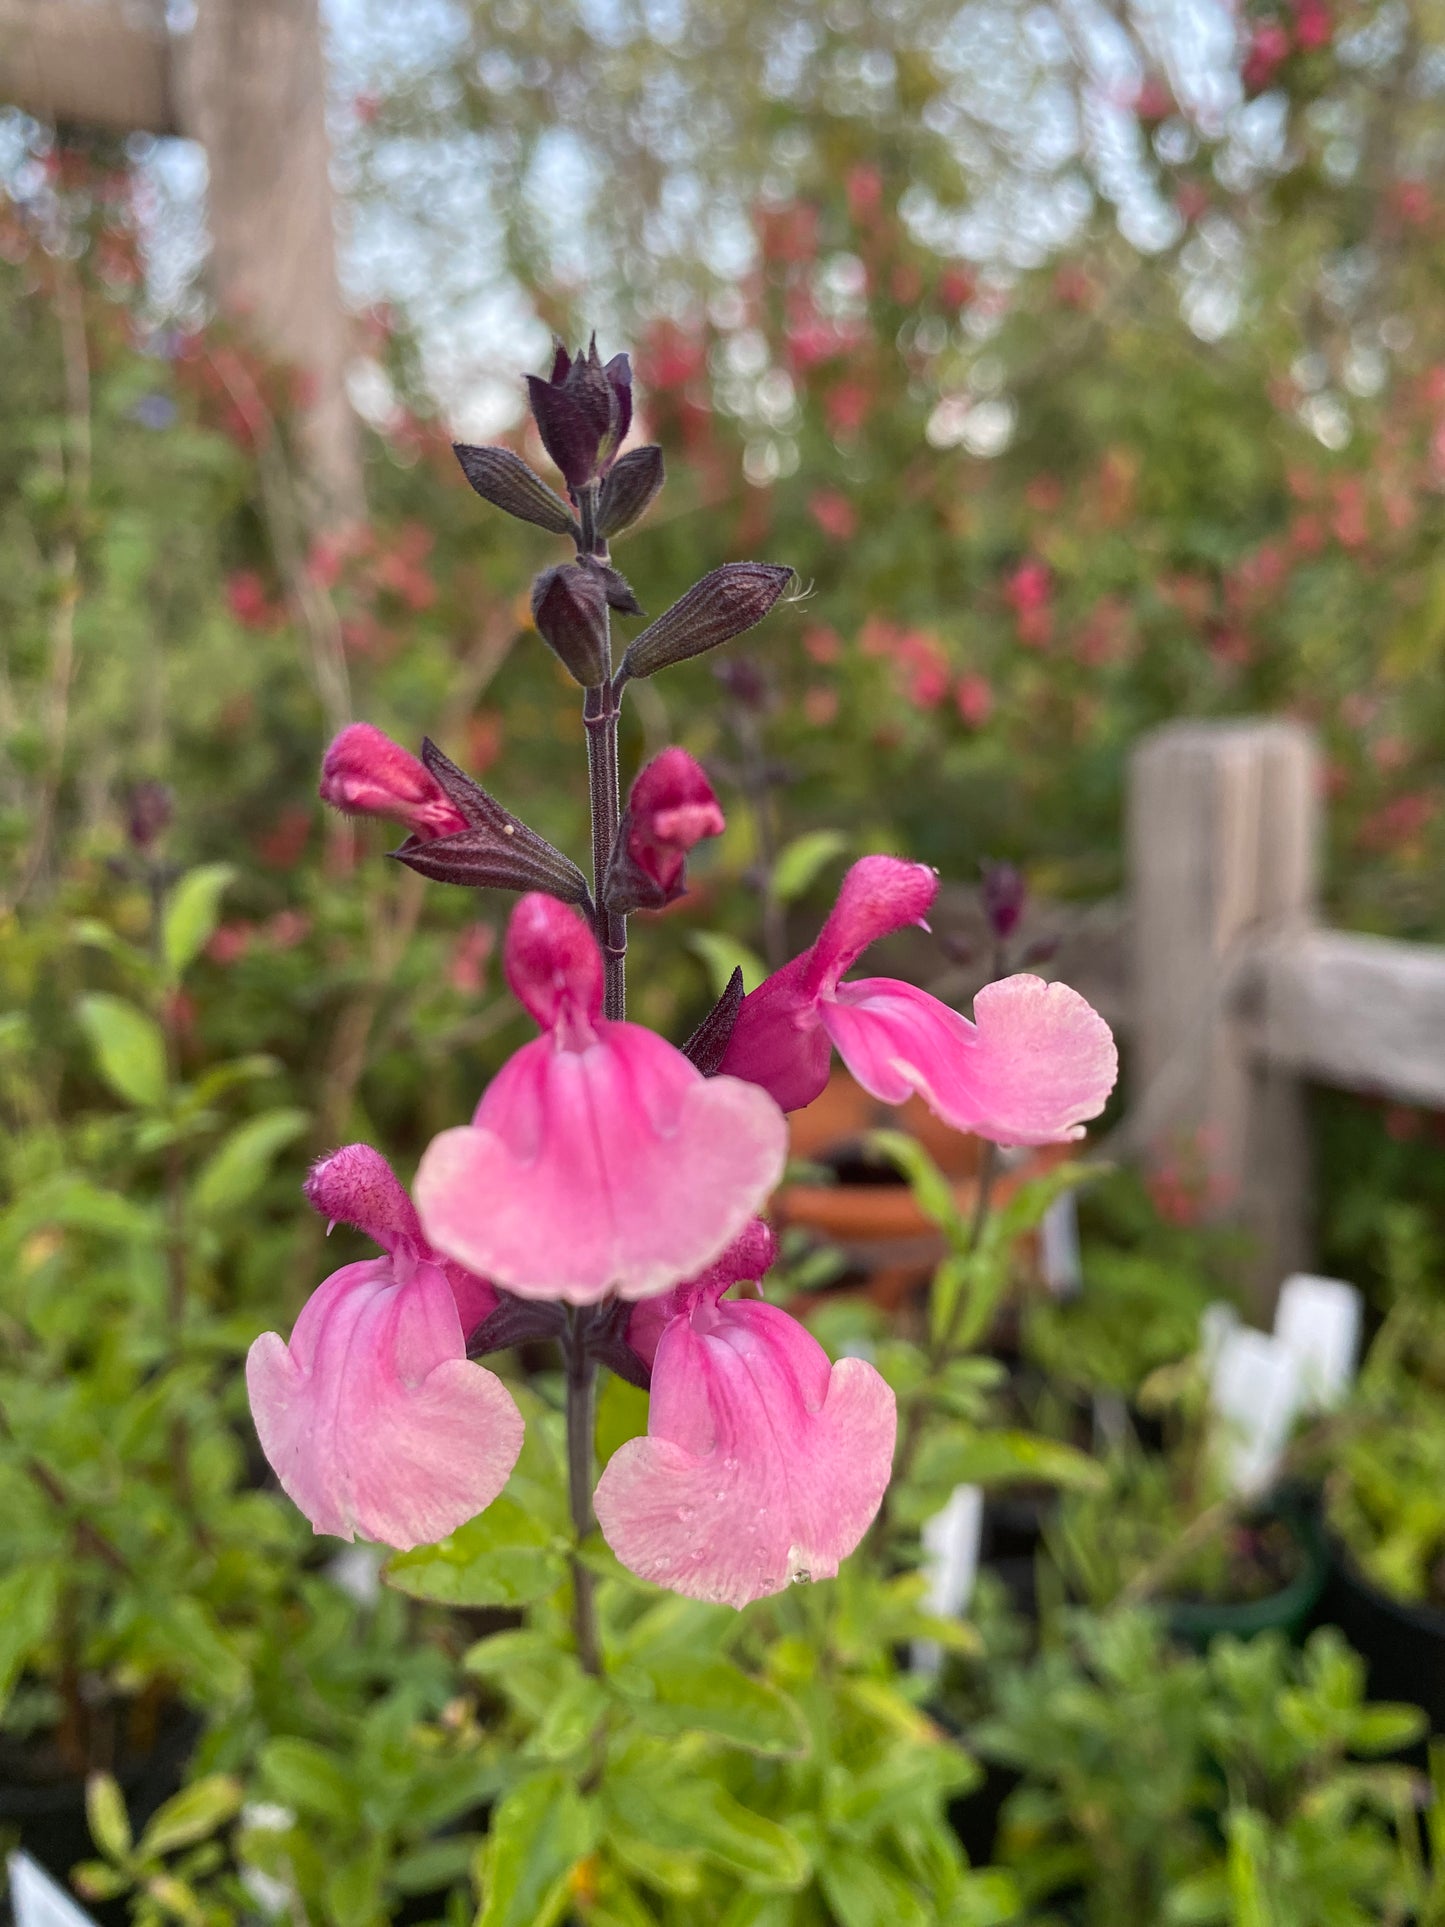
[27, 1613]
[193, 1813]
[130, 1053]
[680, 1693]
[503, 1557]
[192, 914]
[235, 1172]
[801, 861]
[538, 1835]
[106, 1816]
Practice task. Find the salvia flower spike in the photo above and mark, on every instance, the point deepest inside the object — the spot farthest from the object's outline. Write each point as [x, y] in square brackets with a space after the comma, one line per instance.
[605, 1194]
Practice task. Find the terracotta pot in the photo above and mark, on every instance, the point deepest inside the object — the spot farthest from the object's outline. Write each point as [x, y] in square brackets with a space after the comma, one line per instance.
[870, 1212]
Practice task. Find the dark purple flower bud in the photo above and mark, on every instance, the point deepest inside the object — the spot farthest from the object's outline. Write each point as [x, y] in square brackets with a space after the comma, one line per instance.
[628, 492]
[670, 810]
[495, 850]
[1004, 896]
[149, 810]
[569, 607]
[733, 598]
[1041, 950]
[582, 412]
[504, 480]
[708, 1045]
[745, 681]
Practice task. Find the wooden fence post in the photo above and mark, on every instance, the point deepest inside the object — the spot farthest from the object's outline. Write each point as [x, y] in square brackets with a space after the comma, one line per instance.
[1223, 838]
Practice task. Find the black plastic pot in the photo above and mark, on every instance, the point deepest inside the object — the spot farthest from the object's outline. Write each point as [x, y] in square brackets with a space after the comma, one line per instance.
[1402, 1644]
[47, 1806]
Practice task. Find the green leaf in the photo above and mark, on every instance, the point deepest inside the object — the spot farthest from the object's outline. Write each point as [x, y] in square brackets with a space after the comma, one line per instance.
[305, 1776]
[27, 1614]
[864, 1891]
[538, 1835]
[93, 1880]
[680, 1693]
[1386, 1728]
[621, 1415]
[721, 955]
[800, 862]
[106, 1816]
[571, 1718]
[503, 1557]
[192, 914]
[130, 1053]
[235, 1172]
[962, 1455]
[650, 1797]
[931, 1190]
[354, 1888]
[1025, 1210]
[193, 1813]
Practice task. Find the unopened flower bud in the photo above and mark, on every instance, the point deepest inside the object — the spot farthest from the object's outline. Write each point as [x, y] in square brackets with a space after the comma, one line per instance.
[1004, 896]
[582, 412]
[628, 492]
[569, 607]
[744, 680]
[724, 604]
[364, 773]
[670, 810]
[149, 810]
[504, 480]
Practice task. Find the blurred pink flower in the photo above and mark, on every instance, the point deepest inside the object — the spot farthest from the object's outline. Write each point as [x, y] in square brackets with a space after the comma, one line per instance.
[1036, 1062]
[834, 514]
[762, 1464]
[373, 1418]
[365, 773]
[599, 1159]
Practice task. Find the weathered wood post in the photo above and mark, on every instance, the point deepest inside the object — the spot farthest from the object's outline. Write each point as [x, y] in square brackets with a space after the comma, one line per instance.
[247, 80]
[1223, 837]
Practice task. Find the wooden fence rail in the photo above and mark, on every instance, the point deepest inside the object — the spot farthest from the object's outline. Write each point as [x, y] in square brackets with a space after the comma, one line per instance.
[1228, 995]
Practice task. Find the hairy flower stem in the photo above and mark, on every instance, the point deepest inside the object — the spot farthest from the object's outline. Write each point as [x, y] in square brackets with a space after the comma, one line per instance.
[581, 1403]
[601, 708]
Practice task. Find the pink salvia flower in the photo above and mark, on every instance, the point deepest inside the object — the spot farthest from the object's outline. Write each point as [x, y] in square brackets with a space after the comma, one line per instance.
[670, 810]
[1035, 1063]
[373, 1418]
[365, 773]
[763, 1463]
[599, 1158]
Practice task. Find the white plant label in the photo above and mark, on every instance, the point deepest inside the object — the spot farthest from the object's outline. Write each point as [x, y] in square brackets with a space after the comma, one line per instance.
[1256, 1392]
[1059, 1257]
[951, 1540]
[1317, 1320]
[38, 1900]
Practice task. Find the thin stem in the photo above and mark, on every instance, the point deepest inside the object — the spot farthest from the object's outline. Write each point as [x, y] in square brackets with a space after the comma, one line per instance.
[581, 1405]
[600, 711]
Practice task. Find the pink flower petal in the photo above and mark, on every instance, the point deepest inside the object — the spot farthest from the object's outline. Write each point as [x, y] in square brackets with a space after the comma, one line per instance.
[1038, 1061]
[762, 1463]
[372, 1417]
[357, 1186]
[365, 773]
[613, 1167]
[880, 894]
